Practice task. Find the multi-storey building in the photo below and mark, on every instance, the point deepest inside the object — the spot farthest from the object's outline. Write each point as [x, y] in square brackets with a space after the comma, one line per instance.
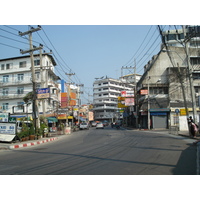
[105, 93]
[166, 80]
[16, 83]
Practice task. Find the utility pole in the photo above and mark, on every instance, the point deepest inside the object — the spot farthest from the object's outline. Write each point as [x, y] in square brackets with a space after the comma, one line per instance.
[31, 50]
[135, 95]
[79, 100]
[68, 94]
[194, 108]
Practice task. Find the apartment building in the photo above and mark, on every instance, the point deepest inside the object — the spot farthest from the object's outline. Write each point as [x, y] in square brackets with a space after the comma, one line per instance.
[105, 98]
[16, 83]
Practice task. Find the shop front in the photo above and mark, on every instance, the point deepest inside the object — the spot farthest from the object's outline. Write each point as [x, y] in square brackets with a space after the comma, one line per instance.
[159, 118]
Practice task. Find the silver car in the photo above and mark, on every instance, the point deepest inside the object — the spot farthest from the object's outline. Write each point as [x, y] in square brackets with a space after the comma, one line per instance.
[100, 125]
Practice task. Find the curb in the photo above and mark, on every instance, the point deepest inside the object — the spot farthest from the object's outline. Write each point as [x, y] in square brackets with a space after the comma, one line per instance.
[17, 146]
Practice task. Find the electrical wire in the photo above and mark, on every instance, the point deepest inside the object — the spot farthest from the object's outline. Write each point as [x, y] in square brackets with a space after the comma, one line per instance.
[139, 47]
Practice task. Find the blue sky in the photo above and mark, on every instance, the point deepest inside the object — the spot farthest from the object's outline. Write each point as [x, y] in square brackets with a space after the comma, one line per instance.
[89, 51]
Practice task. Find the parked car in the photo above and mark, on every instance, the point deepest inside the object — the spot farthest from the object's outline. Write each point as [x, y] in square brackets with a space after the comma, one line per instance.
[93, 124]
[105, 123]
[100, 125]
[84, 125]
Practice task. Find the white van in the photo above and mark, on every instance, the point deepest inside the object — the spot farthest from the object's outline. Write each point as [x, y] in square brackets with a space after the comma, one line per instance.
[19, 125]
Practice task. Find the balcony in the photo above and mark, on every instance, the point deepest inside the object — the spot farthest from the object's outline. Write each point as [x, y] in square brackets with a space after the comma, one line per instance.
[12, 96]
[25, 81]
[103, 107]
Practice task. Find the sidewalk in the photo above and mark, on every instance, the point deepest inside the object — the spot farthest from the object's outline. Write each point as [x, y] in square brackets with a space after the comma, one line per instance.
[18, 144]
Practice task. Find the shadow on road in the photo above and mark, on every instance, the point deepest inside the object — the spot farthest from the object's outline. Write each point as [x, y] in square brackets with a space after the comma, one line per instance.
[186, 164]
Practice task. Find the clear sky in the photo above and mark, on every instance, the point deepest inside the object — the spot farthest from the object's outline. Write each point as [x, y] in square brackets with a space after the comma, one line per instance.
[89, 51]
[91, 38]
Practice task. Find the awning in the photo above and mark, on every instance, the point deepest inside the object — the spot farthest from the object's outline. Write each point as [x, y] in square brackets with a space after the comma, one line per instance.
[52, 119]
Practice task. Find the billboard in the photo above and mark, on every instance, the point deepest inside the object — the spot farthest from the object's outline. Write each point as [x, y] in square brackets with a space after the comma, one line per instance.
[121, 102]
[129, 101]
[127, 93]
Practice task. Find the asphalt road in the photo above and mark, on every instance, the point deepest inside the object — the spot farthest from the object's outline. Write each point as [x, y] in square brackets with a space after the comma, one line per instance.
[104, 152]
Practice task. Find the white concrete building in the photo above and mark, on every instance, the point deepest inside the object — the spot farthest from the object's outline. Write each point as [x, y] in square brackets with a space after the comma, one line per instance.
[16, 83]
[105, 98]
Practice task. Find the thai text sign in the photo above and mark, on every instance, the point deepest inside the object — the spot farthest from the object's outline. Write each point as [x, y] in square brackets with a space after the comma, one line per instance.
[128, 93]
[143, 92]
[129, 102]
[43, 93]
[7, 131]
[4, 117]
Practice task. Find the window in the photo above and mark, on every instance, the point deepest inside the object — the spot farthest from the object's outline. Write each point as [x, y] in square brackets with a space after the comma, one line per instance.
[5, 106]
[20, 77]
[195, 61]
[171, 37]
[9, 66]
[36, 62]
[181, 36]
[20, 105]
[37, 75]
[5, 91]
[196, 76]
[2, 67]
[22, 64]
[5, 78]
[20, 90]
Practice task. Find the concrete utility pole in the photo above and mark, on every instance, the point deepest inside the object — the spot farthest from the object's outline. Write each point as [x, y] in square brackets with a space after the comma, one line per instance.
[79, 100]
[194, 107]
[68, 93]
[31, 50]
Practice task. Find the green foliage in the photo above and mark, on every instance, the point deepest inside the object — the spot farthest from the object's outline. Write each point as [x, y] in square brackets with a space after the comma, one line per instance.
[28, 97]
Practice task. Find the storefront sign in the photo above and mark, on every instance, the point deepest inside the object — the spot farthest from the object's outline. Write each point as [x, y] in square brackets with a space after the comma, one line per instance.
[43, 93]
[143, 92]
[7, 131]
[4, 117]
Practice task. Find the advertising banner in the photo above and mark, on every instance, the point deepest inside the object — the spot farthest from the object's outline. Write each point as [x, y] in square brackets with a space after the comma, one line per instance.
[128, 93]
[129, 101]
[7, 131]
[4, 117]
[43, 93]
[143, 92]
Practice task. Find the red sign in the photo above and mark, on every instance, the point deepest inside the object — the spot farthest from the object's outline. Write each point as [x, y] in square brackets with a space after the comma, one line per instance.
[143, 92]
[128, 93]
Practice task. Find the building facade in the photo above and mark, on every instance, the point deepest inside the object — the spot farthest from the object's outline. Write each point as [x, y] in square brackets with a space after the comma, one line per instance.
[168, 80]
[16, 83]
[105, 98]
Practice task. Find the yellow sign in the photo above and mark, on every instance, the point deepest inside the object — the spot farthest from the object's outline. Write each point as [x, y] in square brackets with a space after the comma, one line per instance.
[183, 112]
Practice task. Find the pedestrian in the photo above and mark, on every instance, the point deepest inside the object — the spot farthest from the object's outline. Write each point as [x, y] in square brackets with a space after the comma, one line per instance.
[190, 119]
[193, 129]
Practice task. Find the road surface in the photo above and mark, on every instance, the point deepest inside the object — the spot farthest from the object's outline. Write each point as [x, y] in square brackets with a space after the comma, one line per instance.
[104, 152]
